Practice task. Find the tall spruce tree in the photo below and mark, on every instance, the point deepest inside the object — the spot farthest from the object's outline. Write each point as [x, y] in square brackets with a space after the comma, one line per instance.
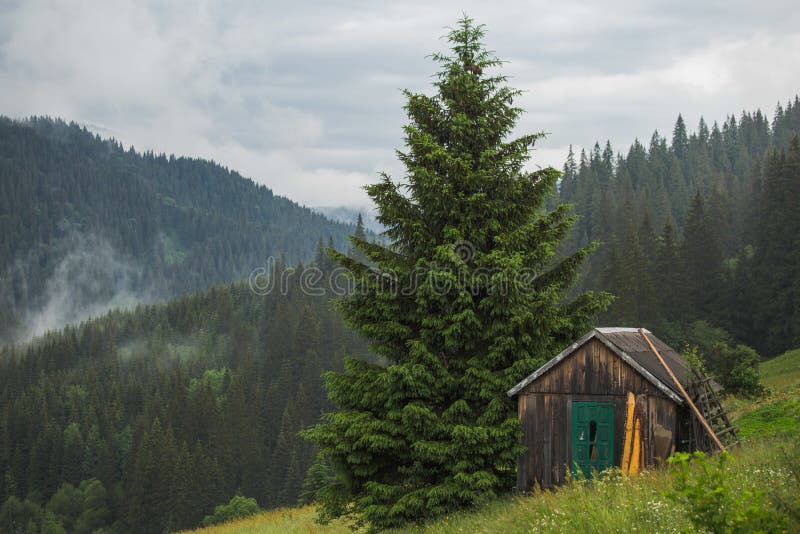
[361, 235]
[702, 261]
[776, 291]
[466, 299]
[668, 275]
[680, 141]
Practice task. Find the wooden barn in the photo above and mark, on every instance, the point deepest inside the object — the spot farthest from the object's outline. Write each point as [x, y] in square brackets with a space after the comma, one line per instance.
[575, 413]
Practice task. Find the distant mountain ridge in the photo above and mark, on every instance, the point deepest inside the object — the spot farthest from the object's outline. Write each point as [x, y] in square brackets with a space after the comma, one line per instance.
[349, 215]
[103, 225]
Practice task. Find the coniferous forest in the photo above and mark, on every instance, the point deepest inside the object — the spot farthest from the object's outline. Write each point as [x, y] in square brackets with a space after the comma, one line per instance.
[144, 420]
[698, 231]
[87, 226]
[146, 417]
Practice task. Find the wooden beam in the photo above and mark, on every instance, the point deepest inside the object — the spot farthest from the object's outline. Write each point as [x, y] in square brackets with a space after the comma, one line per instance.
[683, 391]
[626, 449]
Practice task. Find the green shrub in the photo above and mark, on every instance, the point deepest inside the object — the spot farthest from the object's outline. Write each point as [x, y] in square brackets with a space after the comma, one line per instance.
[80, 510]
[19, 516]
[238, 508]
[705, 336]
[66, 505]
[703, 487]
[710, 349]
[737, 368]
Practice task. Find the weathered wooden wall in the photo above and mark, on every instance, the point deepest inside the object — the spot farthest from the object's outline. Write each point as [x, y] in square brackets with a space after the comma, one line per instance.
[592, 373]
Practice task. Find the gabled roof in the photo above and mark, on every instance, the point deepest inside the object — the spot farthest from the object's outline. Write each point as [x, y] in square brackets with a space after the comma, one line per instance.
[631, 347]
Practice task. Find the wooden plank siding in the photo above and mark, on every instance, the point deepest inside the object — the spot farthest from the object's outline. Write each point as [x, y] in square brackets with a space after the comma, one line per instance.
[591, 373]
[593, 369]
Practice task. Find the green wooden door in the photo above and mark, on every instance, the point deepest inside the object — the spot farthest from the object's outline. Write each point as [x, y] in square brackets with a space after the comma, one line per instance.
[592, 436]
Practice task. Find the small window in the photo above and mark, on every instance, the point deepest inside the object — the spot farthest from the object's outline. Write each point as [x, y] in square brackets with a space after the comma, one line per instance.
[593, 440]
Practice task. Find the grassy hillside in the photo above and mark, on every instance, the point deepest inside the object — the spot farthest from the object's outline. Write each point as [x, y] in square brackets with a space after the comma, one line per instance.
[782, 373]
[281, 521]
[778, 413]
[614, 504]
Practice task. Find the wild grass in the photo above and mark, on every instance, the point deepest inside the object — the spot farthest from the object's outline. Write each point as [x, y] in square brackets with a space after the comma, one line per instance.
[280, 521]
[782, 372]
[611, 503]
[614, 503]
[781, 417]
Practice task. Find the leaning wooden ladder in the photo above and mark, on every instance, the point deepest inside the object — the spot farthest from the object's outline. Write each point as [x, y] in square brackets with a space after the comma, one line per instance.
[710, 432]
[708, 402]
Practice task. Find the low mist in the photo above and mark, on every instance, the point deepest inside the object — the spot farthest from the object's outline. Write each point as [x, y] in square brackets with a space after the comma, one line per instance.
[90, 279]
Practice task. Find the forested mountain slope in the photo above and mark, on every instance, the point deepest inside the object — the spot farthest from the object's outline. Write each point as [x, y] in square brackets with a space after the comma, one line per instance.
[701, 227]
[174, 408]
[86, 225]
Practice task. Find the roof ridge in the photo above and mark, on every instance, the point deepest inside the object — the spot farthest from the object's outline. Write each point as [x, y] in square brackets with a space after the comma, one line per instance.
[620, 329]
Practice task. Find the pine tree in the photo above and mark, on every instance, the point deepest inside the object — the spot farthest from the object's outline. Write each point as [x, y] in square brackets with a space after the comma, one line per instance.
[702, 261]
[627, 275]
[73, 454]
[360, 235]
[317, 476]
[667, 273]
[360, 232]
[446, 306]
[777, 261]
[321, 259]
[718, 155]
[649, 301]
[680, 141]
[283, 454]
[569, 175]
[702, 131]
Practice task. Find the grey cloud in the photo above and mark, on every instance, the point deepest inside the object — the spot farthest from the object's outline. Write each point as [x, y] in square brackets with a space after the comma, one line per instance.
[305, 96]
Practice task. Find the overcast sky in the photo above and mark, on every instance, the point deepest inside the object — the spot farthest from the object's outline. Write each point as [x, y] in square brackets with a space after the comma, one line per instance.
[305, 96]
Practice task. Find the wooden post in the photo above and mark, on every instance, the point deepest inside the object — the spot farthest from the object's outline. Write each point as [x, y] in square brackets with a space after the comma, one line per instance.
[683, 391]
[637, 447]
[626, 450]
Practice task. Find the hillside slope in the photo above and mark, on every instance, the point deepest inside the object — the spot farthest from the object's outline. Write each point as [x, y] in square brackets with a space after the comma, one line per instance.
[777, 414]
[612, 504]
[173, 408]
[86, 225]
